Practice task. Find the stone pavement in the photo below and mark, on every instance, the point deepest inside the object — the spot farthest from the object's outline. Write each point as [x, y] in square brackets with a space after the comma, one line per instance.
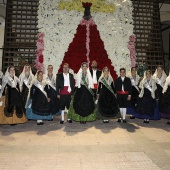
[91, 146]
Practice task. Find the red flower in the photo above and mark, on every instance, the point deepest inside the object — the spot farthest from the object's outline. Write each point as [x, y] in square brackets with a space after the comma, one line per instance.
[41, 59]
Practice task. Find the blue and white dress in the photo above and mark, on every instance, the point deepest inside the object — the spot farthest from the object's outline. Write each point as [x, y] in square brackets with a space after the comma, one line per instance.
[39, 109]
[147, 106]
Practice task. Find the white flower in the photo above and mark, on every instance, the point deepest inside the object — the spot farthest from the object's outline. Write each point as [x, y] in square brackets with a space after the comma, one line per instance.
[59, 27]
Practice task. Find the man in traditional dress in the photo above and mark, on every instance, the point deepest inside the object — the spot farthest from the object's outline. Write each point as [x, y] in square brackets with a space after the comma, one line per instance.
[95, 73]
[65, 89]
[123, 88]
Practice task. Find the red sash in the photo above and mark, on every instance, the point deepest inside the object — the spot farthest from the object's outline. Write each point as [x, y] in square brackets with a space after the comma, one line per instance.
[64, 91]
[122, 92]
[95, 86]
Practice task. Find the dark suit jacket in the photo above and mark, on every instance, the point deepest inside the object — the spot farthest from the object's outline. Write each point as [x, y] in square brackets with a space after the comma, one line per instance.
[60, 82]
[98, 74]
[127, 85]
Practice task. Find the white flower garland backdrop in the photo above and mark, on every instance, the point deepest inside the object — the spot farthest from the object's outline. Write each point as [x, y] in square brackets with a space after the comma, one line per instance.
[59, 27]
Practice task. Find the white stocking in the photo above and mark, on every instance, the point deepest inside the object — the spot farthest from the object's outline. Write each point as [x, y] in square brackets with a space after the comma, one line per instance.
[124, 113]
[62, 115]
[121, 112]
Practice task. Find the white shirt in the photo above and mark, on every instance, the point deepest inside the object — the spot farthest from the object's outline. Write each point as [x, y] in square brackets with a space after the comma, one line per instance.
[66, 79]
[94, 77]
[123, 78]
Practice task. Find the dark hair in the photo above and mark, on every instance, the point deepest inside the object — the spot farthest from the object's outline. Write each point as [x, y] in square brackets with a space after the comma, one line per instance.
[50, 65]
[10, 67]
[85, 63]
[132, 68]
[38, 72]
[65, 64]
[94, 61]
[122, 69]
[106, 68]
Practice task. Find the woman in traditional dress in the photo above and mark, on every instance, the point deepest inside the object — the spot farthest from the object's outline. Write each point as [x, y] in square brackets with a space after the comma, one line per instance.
[160, 78]
[82, 107]
[25, 80]
[38, 107]
[165, 112]
[54, 101]
[135, 79]
[147, 107]
[12, 109]
[107, 103]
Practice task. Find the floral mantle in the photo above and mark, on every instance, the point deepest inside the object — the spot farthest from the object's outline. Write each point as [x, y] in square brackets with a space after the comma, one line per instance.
[60, 26]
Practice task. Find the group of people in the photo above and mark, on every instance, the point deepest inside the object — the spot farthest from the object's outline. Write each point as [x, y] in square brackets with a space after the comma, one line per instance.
[83, 97]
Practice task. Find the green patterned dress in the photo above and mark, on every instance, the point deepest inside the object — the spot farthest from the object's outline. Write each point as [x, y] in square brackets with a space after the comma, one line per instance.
[82, 107]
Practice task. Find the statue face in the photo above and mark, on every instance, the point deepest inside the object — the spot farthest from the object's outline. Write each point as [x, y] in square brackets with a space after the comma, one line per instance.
[87, 14]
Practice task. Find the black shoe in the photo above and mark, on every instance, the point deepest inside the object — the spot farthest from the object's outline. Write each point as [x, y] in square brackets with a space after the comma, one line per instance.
[29, 119]
[50, 120]
[69, 121]
[40, 123]
[132, 117]
[168, 122]
[82, 122]
[124, 120]
[13, 124]
[119, 120]
[145, 121]
[61, 122]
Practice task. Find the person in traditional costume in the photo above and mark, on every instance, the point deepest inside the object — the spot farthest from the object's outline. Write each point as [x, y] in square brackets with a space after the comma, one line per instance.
[12, 107]
[65, 89]
[82, 108]
[135, 79]
[25, 78]
[95, 73]
[54, 100]
[160, 78]
[38, 106]
[165, 112]
[123, 89]
[107, 102]
[147, 107]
